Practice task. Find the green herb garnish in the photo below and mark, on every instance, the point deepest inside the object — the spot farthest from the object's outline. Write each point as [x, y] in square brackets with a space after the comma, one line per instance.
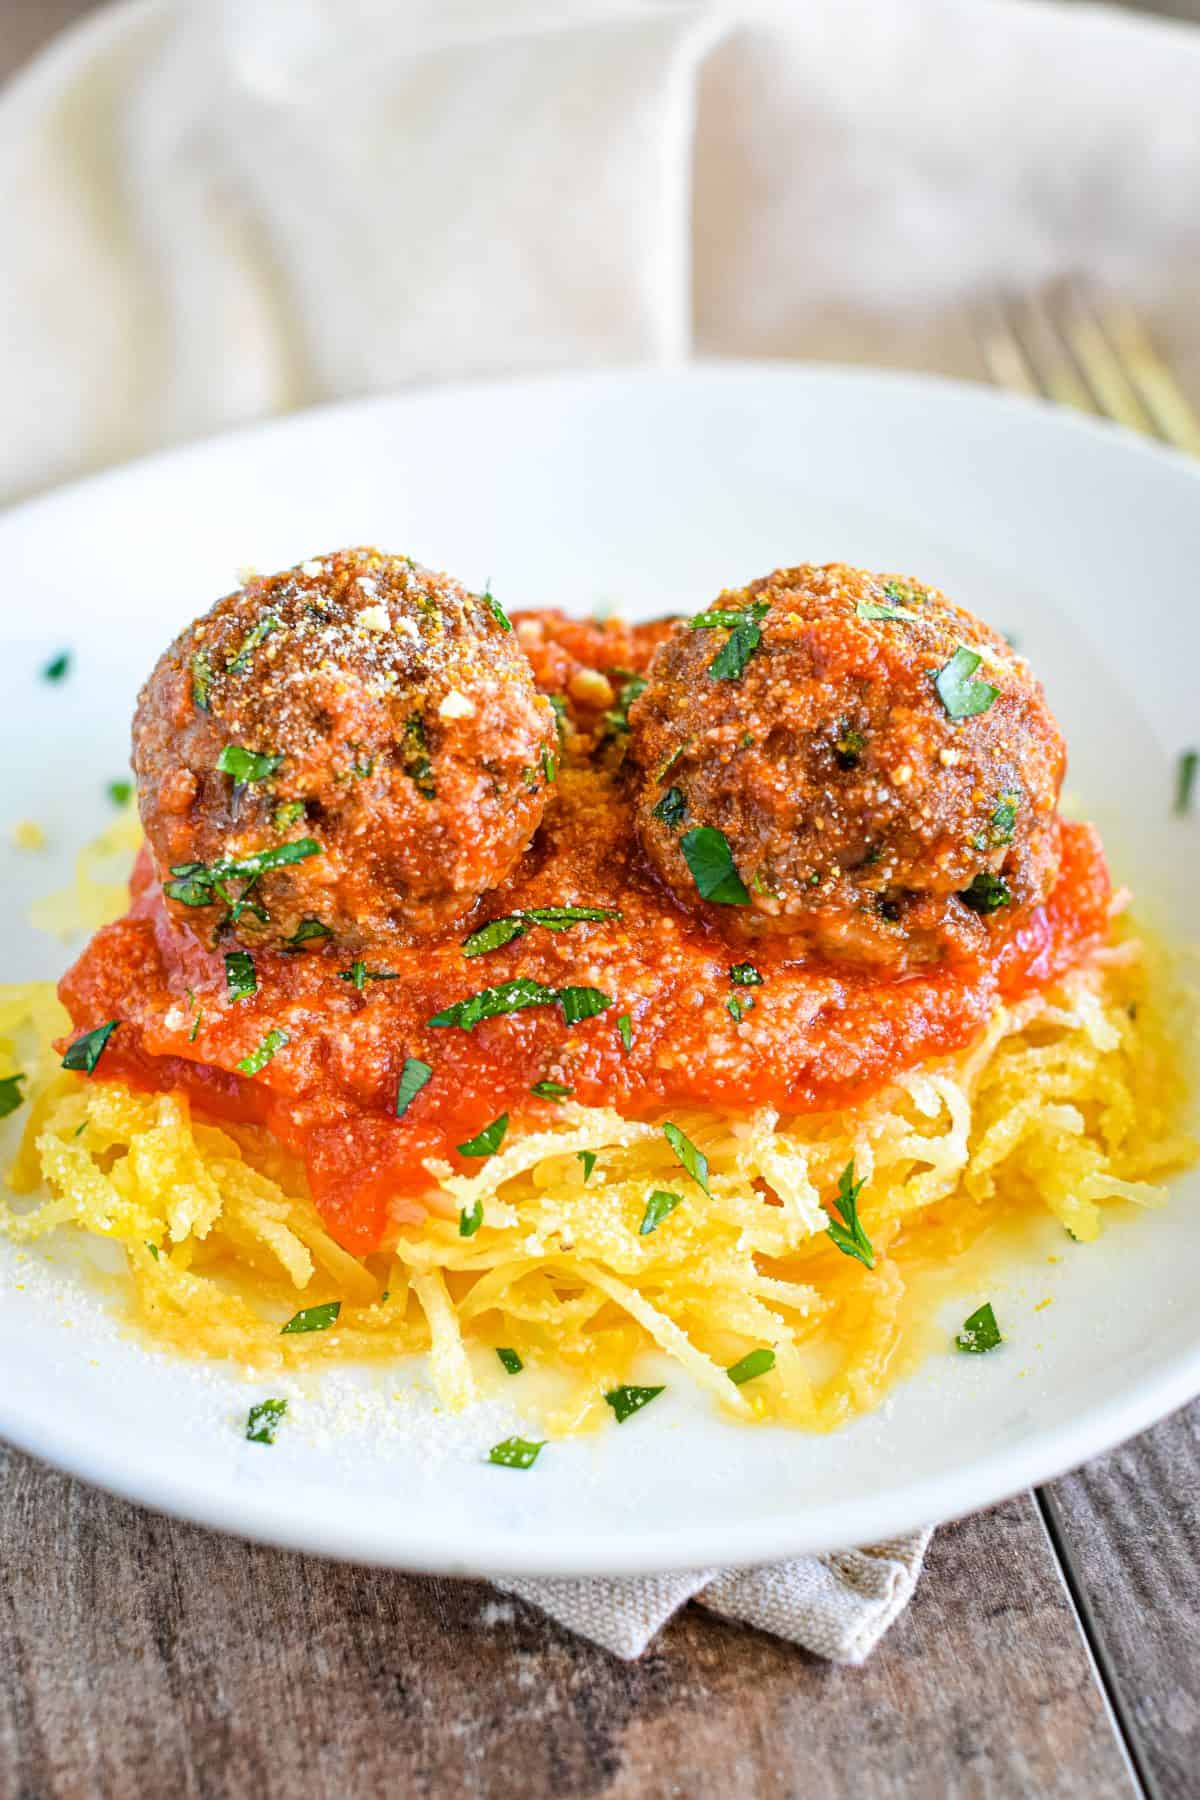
[247, 765]
[469, 1222]
[625, 1032]
[980, 1332]
[660, 1203]
[305, 931]
[498, 932]
[625, 1401]
[241, 982]
[850, 1237]
[958, 692]
[672, 809]
[745, 975]
[312, 1318]
[120, 792]
[708, 856]
[257, 1060]
[848, 749]
[152, 1248]
[551, 1090]
[413, 1077]
[516, 996]
[1185, 781]
[494, 607]
[986, 894]
[728, 618]
[1004, 818]
[515, 1453]
[588, 1160]
[287, 814]
[693, 1160]
[745, 635]
[487, 1141]
[616, 719]
[57, 667]
[737, 1008]
[414, 757]
[582, 1003]
[511, 1361]
[559, 704]
[263, 1419]
[359, 974]
[85, 1052]
[202, 884]
[201, 680]
[755, 1362]
[10, 1094]
[241, 661]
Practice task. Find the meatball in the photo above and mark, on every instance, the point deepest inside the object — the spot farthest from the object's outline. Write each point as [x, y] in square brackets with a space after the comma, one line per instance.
[848, 762]
[353, 749]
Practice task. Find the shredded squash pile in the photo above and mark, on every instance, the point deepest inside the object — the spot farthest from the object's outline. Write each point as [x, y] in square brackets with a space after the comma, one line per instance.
[1072, 1100]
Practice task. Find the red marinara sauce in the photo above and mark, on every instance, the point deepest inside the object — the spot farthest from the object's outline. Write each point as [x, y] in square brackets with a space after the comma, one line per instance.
[333, 1039]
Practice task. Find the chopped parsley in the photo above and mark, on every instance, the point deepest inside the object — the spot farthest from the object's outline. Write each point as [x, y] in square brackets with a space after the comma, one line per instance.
[86, 1051]
[1185, 781]
[728, 618]
[745, 975]
[152, 1248]
[413, 1077]
[469, 1222]
[510, 1361]
[498, 932]
[263, 1419]
[668, 762]
[897, 610]
[414, 757]
[1003, 820]
[305, 931]
[960, 694]
[549, 766]
[239, 663]
[287, 814]
[980, 1332]
[241, 982]
[201, 884]
[672, 809]
[257, 1060]
[201, 680]
[625, 1401]
[551, 1090]
[693, 1160]
[737, 1008]
[849, 747]
[850, 1237]
[587, 1159]
[755, 1362]
[559, 704]
[359, 974]
[57, 667]
[729, 664]
[120, 792]
[247, 765]
[516, 1453]
[516, 996]
[616, 719]
[661, 1203]
[10, 1094]
[987, 893]
[625, 1032]
[487, 1141]
[708, 856]
[312, 1318]
[494, 607]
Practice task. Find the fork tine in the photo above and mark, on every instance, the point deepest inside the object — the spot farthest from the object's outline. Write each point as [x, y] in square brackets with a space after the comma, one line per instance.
[1160, 393]
[1059, 377]
[1003, 354]
[1103, 370]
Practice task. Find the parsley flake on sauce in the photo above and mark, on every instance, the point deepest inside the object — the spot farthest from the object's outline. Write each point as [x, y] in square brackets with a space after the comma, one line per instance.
[960, 694]
[201, 680]
[729, 664]
[359, 974]
[239, 663]
[257, 1060]
[551, 1090]
[247, 765]
[469, 1222]
[516, 1453]
[305, 932]
[587, 1159]
[708, 856]
[202, 884]
[850, 1237]
[413, 1077]
[10, 1094]
[658, 1207]
[263, 1420]
[414, 757]
[487, 1141]
[511, 1361]
[625, 1032]
[287, 814]
[1185, 781]
[693, 1160]
[498, 932]
[85, 1052]
[754, 1363]
[312, 1318]
[57, 667]
[986, 894]
[1004, 818]
[120, 792]
[980, 1332]
[672, 809]
[625, 1401]
[516, 996]
[737, 1008]
[745, 975]
[241, 982]
[494, 607]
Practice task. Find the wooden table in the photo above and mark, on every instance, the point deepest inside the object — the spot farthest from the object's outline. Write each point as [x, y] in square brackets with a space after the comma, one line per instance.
[1053, 1647]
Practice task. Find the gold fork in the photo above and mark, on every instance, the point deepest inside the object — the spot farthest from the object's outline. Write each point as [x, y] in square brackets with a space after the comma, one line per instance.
[1093, 355]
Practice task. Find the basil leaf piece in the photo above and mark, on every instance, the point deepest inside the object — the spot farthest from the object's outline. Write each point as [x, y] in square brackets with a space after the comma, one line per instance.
[728, 618]
[588, 1159]
[897, 611]
[511, 1361]
[658, 1207]
[247, 765]
[241, 981]
[625, 1032]
[120, 792]
[498, 932]
[708, 856]
[257, 1060]
[582, 1003]
[729, 664]
[693, 1160]
[494, 935]
[625, 1401]
[1003, 820]
[986, 894]
[312, 1318]
[494, 607]
[10, 1094]
[85, 1052]
[980, 1332]
[515, 1453]
[414, 758]
[737, 1008]
[850, 1237]
[485, 1142]
[559, 918]
[490, 1003]
[672, 809]
[57, 667]
[305, 932]
[551, 1090]
[359, 974]
[754, 1363]
[201, 680]
[616, 719]
[745, 975]
[413, 1077]
[958, 692]
[469, 1222]
[263, 1420]
[1185, 781]
[240, 662]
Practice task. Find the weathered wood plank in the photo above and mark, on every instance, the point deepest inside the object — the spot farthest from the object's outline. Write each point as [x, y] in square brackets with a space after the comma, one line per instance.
[140, 1656]
[1131, 1526]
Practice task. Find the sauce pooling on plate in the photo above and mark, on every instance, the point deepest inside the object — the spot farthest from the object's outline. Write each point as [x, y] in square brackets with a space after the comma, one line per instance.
[770, 856]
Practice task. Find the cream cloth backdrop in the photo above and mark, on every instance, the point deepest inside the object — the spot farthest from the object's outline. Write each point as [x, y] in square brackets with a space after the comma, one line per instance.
[220, 209]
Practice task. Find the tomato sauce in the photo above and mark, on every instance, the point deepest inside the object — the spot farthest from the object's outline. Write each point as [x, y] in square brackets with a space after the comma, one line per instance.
[815, 1036]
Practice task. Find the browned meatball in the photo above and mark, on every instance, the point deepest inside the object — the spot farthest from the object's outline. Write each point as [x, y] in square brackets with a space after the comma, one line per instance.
[850, 762]
[356, 742]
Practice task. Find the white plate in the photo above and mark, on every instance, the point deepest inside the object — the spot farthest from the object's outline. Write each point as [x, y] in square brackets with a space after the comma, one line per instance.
[651, 491]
